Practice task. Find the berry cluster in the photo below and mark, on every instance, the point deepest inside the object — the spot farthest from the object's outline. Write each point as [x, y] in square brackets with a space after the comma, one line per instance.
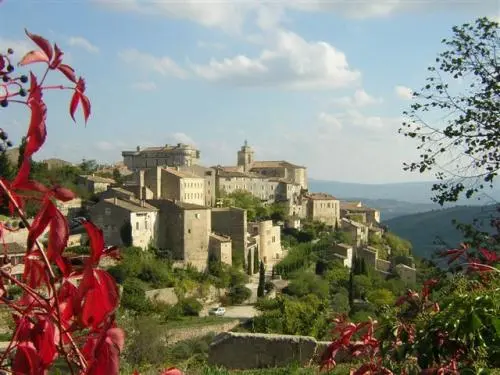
[8, 81]
[4, 141]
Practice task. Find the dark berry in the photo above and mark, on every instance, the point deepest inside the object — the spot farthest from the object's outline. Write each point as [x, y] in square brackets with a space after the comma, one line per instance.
[5, 78]
[3, 136]
[10, 68]
[4, 103]
[21, 225]
[22, 92]
[9, 144]
[24, 79]
[10, 51]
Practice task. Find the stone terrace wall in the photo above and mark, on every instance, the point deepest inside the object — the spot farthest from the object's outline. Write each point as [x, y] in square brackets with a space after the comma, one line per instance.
[259, 350]
[180, 334]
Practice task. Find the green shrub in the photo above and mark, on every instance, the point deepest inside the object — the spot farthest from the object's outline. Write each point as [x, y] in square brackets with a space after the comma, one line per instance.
[238, 294]
[190, 307]
[134, 296]
[305, 283]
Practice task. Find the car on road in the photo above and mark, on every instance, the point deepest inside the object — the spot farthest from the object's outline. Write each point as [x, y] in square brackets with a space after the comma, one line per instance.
[217, 311]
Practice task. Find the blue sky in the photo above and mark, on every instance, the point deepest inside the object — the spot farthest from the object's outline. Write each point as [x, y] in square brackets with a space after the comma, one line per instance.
[318, 83]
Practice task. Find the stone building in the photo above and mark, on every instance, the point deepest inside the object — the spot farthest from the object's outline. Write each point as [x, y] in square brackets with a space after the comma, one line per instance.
[168, 183]
[268, 238]
[367, 215]
[119, 219]
[14, 253]
[232, 222]
[344, 253]
[168, 155]
[322, 207]
[406, 273]
[220, 248]
[358, 231]
[209, 175]
[185, 230]
[94, 184]
[272, 169]
[71, 208]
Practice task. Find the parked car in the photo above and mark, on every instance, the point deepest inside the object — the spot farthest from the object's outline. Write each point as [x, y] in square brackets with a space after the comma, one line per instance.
[217, 311]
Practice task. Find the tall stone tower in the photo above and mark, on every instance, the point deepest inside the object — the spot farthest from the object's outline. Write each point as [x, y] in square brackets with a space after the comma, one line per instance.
[245, 157]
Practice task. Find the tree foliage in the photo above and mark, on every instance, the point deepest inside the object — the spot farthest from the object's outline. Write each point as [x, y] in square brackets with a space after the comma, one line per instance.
[455, 117]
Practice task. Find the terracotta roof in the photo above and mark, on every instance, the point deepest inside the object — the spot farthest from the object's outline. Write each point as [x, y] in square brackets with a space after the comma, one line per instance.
[123, 191]
[222, 173]
[320, 196]
[132, 206]
[189, 206]
[353, 206]
[274, 164]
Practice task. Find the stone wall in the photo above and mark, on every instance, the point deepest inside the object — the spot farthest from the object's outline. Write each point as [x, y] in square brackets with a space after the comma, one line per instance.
[258, 350]
[180, 334]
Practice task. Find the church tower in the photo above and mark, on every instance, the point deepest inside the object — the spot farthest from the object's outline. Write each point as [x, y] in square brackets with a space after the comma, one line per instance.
[245, 157]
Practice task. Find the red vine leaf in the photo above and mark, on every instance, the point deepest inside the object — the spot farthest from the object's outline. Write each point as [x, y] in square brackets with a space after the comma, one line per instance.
[171, 371]
[100, 297]
[57, 57]
[37, 131]
[63, 194]
[35, 273]
[104, 352]
[34, 57]
[96, 242]
[58, 238]
[68, 71]
[46, 338]
[80, 98]
[26, 361]
[41, 43]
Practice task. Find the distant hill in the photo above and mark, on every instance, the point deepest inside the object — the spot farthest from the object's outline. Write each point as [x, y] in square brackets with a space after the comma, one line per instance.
[413, 192]
[390, 208]
[422, 229]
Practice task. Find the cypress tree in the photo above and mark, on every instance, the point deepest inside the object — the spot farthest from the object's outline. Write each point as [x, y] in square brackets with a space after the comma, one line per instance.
[262, 280]
[256, 260]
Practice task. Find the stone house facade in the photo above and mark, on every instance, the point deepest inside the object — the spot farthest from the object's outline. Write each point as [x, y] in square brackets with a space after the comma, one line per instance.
[344, 253]
[184, 231]
[368, 215]
[113, 215]
[268, 238]
[168, 155]
[94, 184]
[220, 247]
[232, 222]
[322, 207]
[70, 209]
[358, 231]
[15, 253]
[209, 175]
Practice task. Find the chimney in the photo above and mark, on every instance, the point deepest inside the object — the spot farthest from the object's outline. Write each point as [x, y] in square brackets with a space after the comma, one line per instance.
[138, 148]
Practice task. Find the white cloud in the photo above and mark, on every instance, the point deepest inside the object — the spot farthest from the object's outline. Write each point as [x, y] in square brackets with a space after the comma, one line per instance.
[359, 99]
[20, 47]
[163, 65]
[288, 62]
[78, 41]
[144, 86]
[403, 92]
[226, 15]
[181, 138]
[331, 120]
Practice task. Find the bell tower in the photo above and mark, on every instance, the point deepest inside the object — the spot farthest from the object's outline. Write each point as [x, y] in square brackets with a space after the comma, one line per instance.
[245, 157]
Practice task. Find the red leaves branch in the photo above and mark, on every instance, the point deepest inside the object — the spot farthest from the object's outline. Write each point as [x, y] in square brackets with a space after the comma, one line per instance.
[53, 308]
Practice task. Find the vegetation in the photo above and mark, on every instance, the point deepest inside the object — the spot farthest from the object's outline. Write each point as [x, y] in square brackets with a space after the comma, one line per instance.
[463, 148]
[256, 209]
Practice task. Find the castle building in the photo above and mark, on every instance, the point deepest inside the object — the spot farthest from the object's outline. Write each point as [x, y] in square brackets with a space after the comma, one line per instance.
[168, 155]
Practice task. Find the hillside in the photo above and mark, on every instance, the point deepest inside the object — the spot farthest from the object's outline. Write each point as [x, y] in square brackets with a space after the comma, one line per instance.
[390, 208]
[413, 192]
[423, 229]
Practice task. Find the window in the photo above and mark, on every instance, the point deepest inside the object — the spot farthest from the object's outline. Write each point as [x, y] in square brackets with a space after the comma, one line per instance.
[189, 231]
[197, 216]
[274, 239]
[107, 211]
[137, 226]
[146, 224]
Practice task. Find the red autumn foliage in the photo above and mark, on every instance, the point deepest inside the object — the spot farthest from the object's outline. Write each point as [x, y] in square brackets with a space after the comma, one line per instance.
[55, 316]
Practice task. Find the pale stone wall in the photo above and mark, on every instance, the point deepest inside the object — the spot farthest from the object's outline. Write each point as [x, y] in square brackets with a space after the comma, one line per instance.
[232, 222]
[344, 251]
[144, 228]
[209, 175]
[324, 210]
[241, 351]
[369, 254]
[220, 247]
[180, 334]
[269, 239]
[71, 208]
[171, 155]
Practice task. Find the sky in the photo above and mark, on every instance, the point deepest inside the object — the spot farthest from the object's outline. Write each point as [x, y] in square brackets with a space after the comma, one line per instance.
[320, 83]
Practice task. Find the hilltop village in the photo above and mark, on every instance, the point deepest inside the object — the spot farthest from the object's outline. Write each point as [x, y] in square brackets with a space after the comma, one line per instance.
[168, 200]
